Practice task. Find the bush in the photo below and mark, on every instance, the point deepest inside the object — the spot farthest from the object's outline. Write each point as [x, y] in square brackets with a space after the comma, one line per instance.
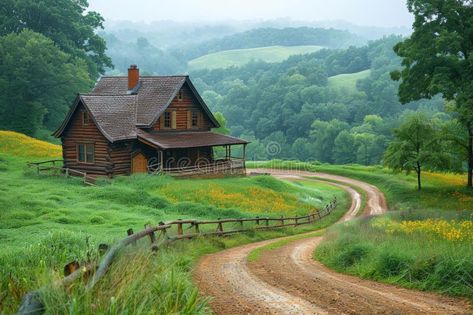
[353, 254]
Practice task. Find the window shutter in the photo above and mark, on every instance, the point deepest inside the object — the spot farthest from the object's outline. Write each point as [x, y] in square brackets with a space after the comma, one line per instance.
[189, 119]
[200, 120]
[173, 119]
[161, 121]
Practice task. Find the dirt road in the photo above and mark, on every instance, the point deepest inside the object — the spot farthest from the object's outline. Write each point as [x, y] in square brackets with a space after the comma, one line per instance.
[289, 281]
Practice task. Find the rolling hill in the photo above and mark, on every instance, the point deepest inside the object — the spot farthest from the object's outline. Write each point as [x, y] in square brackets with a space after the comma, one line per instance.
[347, 82]
[240, 57]
[18, 144]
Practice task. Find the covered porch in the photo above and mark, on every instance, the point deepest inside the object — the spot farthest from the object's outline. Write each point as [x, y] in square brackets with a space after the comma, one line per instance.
[189, 154]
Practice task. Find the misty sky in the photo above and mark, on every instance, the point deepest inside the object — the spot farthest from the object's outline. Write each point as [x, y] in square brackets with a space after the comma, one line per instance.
[362, 12]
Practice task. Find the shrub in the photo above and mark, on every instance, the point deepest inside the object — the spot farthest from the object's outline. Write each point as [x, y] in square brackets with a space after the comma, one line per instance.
[353, 254]
[391, 263]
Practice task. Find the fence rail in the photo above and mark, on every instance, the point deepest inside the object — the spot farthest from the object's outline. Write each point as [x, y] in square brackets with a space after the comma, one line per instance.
[51, 166]
[163, 234]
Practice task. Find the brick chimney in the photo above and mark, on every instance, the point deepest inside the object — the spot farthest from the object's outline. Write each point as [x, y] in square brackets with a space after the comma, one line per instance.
[133, 77]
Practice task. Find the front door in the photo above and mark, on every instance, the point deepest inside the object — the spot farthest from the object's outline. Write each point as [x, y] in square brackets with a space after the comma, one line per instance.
[139, 164]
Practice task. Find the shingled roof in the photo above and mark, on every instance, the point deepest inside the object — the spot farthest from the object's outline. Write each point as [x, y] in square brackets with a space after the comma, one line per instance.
[119, 114]
[182, 140]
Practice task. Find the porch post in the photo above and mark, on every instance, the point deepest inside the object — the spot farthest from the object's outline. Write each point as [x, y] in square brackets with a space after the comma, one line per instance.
[161, 164]
[230, 152]
[244, 156]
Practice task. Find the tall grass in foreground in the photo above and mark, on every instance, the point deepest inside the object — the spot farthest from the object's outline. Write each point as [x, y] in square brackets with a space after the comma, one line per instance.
[139, 282]
[413, 255]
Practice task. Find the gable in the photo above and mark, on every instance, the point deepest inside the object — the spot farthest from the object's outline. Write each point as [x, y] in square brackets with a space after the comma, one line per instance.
[117, 113]
[182, 110]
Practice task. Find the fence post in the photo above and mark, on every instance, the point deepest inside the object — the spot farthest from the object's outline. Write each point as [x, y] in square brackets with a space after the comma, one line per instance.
[220, 226]
[163, 232]
[257, 220]
[130, 232]
[179, 228]
[152, 239]
[267, 221]
[297, 221]
[197, 231]
[241, 223]
[282, 220]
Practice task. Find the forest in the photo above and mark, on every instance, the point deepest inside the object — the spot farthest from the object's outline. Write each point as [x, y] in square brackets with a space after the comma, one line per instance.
[337, 105]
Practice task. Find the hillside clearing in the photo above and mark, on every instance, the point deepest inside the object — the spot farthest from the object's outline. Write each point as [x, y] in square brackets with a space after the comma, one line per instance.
[240, 57]
[346, 83]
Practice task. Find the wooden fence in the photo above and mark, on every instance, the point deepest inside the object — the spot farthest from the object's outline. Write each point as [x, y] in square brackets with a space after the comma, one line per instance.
[163, 234]
[52, 166]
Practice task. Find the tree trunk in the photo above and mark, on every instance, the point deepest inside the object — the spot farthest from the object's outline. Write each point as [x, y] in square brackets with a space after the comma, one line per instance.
[418, 171]
[470, 157]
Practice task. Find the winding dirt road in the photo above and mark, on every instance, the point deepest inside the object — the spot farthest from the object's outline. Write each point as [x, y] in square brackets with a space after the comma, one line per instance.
[288, 281]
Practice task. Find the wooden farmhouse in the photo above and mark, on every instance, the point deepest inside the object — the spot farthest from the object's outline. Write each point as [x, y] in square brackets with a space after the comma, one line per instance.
[136, 124]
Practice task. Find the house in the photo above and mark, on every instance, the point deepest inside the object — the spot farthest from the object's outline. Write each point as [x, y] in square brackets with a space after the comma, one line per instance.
[134, 124]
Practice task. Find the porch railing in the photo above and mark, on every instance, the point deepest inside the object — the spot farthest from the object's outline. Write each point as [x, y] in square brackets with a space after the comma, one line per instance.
[233, 166]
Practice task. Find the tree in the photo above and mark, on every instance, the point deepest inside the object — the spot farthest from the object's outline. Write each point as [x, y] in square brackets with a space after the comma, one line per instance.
[415, 147]
[223, 124]
[437, 59]
[344, 148]
[38, 82]
[67, 22]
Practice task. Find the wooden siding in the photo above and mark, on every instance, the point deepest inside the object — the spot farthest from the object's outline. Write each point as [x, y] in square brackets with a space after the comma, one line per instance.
[77, 133]
[120, 156]
[182, 107]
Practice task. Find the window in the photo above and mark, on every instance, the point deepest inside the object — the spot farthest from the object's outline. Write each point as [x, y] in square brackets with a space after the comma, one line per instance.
[85, 153]
[180, 95]
[167, 120]
[85, 118]
[195, 119]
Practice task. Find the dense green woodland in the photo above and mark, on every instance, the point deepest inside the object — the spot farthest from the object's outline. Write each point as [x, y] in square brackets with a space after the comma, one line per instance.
[337, 105]
[292, 104]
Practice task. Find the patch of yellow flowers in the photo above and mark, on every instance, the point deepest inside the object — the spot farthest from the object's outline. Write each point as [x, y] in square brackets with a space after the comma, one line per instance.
[251, 199]
[455, 231]
[18, 144]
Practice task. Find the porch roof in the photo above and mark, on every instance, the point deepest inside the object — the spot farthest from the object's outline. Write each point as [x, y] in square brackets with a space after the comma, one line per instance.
[182, 140]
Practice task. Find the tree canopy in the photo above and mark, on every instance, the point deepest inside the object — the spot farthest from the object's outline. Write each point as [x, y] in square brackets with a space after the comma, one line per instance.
[436, 59]
[38, 82]
[67, 23]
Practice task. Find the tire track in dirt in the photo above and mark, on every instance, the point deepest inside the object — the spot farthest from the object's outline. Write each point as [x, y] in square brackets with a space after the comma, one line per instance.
[289, 281]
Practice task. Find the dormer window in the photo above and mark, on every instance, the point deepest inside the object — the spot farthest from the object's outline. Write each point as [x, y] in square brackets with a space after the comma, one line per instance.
[195, 119]
[85, 118]
[180, 95]
[167, 120]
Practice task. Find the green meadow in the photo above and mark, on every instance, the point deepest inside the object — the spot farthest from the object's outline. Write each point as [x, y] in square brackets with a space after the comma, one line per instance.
[346, 83]
[48, 221]
[240, 57]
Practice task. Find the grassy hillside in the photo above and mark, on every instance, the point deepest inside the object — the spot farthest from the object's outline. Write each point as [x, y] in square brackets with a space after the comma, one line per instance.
[46, 222]
[17, 144]
[440, 191]
[346, 83]
[424, 242]
[240, 57]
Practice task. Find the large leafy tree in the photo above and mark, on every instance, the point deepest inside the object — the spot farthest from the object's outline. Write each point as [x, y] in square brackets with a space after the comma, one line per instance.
[416, 147]
[66, 22]
[437, 59]
[38, 82]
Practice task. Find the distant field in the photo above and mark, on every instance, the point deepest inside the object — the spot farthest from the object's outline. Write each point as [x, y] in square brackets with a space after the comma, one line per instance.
[240, 57]
[347, 82]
